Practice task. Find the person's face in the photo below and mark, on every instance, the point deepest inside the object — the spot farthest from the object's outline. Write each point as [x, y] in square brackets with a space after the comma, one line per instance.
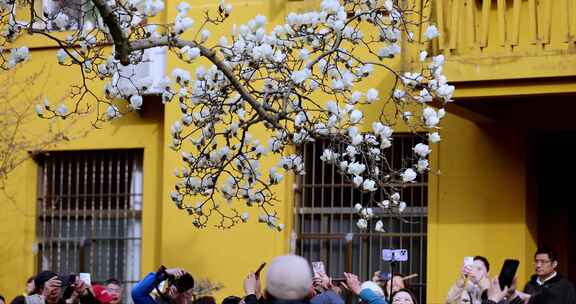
[52, 291]
[478, 271]
[115, 291]
[30, 287]
[397, 284]
[544, 266]
[402, 298]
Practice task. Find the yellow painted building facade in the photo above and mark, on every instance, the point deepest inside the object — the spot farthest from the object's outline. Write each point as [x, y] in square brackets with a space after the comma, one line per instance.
[510, 61]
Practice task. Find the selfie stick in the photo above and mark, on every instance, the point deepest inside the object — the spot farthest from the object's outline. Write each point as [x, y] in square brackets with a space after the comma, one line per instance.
[393, 264]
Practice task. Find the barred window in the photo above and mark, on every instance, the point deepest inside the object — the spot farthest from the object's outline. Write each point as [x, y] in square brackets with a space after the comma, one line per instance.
[326, 220]
[89, 214]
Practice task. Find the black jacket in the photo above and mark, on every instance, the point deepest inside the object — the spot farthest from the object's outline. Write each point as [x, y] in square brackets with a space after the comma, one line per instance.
[557, 290]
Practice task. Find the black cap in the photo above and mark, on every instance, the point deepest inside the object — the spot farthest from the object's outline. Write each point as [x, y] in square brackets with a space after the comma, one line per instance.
[42, 278]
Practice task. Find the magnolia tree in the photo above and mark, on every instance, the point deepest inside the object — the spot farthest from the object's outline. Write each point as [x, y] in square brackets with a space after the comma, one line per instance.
[297, 80]
[18, 139]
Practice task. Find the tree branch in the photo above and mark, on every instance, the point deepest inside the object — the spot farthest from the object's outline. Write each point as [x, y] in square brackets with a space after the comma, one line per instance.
[210, 55]
[121, 42]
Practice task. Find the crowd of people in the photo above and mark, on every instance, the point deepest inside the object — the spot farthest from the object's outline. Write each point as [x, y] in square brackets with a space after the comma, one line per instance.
[290, 280]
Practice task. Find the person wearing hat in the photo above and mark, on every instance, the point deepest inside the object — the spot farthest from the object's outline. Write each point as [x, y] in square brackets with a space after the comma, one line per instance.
[48, 290]
[288, 281]
[173, 286]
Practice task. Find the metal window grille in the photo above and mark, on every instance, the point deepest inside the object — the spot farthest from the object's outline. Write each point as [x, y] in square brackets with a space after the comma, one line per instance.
[326, 219]
[89, 214]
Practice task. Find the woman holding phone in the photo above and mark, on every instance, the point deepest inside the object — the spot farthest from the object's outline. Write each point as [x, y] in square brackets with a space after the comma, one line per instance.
[473, 281]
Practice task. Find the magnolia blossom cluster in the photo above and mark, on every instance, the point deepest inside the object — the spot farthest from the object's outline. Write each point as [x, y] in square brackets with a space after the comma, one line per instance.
[251, 100]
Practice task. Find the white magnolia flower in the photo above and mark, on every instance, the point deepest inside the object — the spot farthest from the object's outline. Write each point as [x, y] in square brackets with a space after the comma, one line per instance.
[372, 95]
[354, 98]
[245, 217]
[384, 204]
[446, 92]
[369, 185]
[112, 112]
[182, 24]
[136, 102]
[389, 51]
[329, 156]
[62, 110]
[61, 56]
[355, 116]
[357, 180]
[434, 137]
[39, 109]
[422, 165]
[356, 168]
[423, 56]
[422, 150]
[300, 76]
[431, 32]
[379, 226]
[204, 35]
[408, 175]
[362, 224]
[401, 206]
[395, 197]
[437, 61]
[358, 207]
[399, 94]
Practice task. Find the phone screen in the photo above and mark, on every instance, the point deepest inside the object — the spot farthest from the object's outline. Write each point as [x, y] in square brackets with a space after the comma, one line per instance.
[508, 273]
[318, 268]
[468, 261]
[85, 277]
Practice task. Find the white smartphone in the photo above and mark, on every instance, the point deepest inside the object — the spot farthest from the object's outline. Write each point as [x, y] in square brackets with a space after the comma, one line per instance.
[318, 268]
[85, 277]
[468, 261]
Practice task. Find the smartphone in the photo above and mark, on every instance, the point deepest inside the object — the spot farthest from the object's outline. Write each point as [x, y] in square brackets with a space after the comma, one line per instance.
[508, 273]
[338, 281]
[85, 277]
[318, 268]
[468, 261]
[257, 272]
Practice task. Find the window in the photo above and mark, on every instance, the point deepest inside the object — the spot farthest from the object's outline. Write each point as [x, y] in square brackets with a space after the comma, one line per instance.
[89, 214]
[326, 219]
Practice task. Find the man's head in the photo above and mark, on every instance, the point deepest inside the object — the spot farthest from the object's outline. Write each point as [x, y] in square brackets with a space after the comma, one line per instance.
[289, 277]
[546, 262]
[114, 289]
[48, 285]
[480, 269]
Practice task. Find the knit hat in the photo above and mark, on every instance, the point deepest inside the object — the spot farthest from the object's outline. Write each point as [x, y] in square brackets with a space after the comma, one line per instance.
[289, 278]
[42, 278]
[374, 287]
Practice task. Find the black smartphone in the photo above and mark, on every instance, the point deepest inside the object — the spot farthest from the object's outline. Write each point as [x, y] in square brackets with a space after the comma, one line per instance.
[257, 272]
[508, 273]
[337, 281]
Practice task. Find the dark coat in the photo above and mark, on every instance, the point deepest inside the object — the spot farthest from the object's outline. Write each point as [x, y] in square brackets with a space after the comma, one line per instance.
[557, 290]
